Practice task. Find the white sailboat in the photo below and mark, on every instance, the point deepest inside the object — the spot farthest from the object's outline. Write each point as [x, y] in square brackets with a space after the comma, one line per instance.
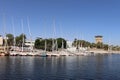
[22, 52]
[54, 44]
[5, 50]
[80, 50]
[63, 52]
[31, 52]
[13, 51]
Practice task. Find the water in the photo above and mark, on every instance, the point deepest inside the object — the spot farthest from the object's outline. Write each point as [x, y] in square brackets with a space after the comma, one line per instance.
[60, 68]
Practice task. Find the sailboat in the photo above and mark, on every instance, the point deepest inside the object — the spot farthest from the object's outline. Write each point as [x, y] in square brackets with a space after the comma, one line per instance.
[54, 43]
[13, 51]
[22, 53]
[63, 52]
[5, 38]
[80, 50]
[31, 52]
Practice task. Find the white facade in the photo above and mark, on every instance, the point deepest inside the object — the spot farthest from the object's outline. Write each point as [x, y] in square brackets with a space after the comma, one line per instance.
[1, 40]
[29, 43]
[69, 44]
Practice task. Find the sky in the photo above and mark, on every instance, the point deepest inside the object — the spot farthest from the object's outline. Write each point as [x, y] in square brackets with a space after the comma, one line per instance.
[70, 19]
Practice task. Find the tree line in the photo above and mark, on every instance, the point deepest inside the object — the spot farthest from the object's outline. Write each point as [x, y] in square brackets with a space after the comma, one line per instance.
[10, 40]
[83, 43]
[40, 43]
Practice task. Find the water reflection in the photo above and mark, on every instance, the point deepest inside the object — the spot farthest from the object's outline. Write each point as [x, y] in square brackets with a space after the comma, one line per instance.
[63, 68]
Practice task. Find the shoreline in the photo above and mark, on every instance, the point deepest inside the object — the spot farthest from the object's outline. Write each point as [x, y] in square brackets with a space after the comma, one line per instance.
[96, 51]
[62, 53]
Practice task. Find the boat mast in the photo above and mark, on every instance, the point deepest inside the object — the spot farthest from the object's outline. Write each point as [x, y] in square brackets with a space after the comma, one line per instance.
[22, 35]
[61, 37]
[62, 45]
[109, 47]
[31, 46]
[56, 44]
[14, 42]
[45, 44]
[53, 41]
[5, 37]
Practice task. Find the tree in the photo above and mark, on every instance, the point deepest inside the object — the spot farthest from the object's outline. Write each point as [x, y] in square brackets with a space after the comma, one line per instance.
[59, 41]
[37, 44]
[105, 46]
[93, 45]
[20, 39]
[40, 43]
[74, 42]
[10, 39]
[99, 45]
[82, 43]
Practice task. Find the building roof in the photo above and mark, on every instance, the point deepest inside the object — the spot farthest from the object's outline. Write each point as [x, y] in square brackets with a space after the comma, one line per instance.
[98, 36]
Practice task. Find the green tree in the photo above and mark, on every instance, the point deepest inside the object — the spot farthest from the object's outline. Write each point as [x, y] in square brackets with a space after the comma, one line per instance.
[37, 44]
[59, 41]
[105, 46]
[93, 45]
[10, 39]
[40, 43]
[20, 40]
[99, 45]
[82, 43]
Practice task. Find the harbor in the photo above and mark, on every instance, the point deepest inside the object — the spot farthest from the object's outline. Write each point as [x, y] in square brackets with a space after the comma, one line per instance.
[59, 40]
[65, 52]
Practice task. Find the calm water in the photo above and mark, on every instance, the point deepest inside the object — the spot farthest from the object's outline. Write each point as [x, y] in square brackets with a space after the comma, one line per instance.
[60, 68]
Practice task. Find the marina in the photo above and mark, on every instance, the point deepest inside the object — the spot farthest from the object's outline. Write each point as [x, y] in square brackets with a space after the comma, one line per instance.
[59, 40]
[65, 52]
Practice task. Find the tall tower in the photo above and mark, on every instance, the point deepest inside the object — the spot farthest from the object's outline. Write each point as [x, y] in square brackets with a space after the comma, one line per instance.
[98, 39]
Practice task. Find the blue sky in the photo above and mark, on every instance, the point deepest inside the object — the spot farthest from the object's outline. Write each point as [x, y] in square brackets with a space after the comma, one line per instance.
[81, 19]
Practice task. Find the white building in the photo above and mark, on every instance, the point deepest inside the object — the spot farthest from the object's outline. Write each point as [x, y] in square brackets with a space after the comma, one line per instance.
[69, 44]
[1, 40]
[29, 43]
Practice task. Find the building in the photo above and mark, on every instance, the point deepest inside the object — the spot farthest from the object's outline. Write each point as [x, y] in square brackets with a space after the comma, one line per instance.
[69, 44]
[1, 40]
[29, 43]
[98, 39]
